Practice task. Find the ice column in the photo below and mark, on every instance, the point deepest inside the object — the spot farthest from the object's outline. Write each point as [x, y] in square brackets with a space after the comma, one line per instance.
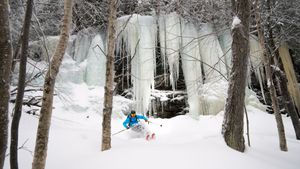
[170, 36]
[256, 53]
[225, 40]
[96, 63]
[191, 66]
[211, 53]
[139, 34]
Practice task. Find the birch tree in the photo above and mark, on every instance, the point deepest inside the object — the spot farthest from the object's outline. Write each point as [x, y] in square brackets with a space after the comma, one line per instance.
[108, 95]
[233, 125]
[5, 67]
[40, 152]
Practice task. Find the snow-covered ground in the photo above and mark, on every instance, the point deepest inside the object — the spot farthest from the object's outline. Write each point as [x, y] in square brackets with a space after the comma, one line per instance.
[182, 142]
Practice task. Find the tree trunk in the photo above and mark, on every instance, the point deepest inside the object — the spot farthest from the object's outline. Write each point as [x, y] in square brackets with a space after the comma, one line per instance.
[21, 86]
[233, 125]
[16, 54]
[267, 65]
[288, 102]
[293, 87]
[5, 72]
[108, 95]
[40, 152]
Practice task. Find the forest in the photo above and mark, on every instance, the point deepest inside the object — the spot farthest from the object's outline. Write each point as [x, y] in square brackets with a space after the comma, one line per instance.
[165, 83]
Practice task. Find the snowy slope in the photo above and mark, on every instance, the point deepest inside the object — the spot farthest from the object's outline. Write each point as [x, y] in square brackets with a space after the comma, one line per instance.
[182, 142]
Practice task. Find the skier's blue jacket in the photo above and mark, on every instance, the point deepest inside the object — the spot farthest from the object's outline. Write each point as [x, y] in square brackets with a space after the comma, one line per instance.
[131, 121]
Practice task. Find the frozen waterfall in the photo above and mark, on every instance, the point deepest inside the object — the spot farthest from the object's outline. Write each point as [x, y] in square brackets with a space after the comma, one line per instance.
[204, 51]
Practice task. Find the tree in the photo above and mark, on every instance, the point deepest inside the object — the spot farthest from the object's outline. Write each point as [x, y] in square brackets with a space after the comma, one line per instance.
[108, 95]
[5, 67]
[40, 152]
[21, 86]
[267, 64]
[288, 101]
[233, 125]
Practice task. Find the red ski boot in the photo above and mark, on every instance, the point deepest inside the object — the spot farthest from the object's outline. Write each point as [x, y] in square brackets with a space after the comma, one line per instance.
[153, 136]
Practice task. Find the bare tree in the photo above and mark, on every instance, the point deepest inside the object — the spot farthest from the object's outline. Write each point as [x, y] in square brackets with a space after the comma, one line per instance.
[108, 95]
[40, 152]
[288, 101]
[21, 86]
[267, 65]
[233, 125]
[5, 72]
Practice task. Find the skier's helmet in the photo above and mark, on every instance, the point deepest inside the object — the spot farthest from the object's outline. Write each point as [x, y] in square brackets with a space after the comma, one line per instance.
[132, 113]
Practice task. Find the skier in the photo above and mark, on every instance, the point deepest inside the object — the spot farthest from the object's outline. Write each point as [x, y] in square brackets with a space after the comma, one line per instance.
[133, 122]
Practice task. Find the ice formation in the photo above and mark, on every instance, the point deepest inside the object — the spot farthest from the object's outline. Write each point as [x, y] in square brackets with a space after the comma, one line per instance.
[191, 66]
[256, 53]
[211, 54]
[225, 40]
[139, 34]
[96, 61]
[170, 43]
[204, 52]
[81, 46]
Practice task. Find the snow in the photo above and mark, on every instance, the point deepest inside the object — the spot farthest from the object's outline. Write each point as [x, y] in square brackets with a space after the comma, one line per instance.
[236, 21]
[182, 142]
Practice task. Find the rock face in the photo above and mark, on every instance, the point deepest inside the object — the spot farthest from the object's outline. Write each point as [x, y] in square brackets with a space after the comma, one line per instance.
[167, 104]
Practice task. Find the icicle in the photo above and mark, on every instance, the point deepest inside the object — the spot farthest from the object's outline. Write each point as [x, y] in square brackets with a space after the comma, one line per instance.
[211, 53]
[256, 62]
[191, 66]
[225, 40]
[170, 38]
[96, 63]
[258, 72]
[82, 43]
[139, 33]
[163, 43]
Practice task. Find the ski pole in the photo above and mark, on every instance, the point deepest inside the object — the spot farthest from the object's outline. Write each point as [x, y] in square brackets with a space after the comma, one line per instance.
[119, 132]
[155, 123]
